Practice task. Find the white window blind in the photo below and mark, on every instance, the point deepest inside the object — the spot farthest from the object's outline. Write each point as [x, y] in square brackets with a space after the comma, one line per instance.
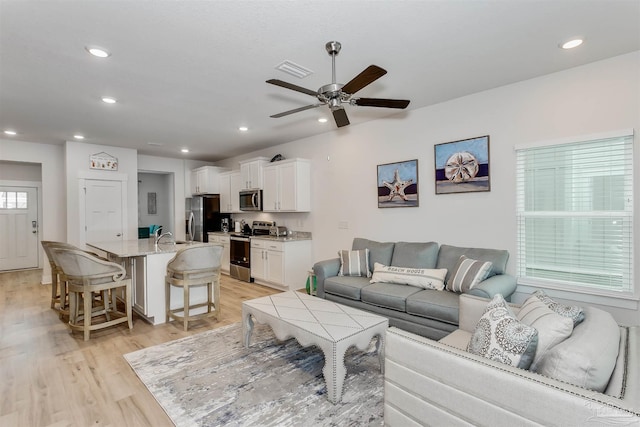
[575, 214]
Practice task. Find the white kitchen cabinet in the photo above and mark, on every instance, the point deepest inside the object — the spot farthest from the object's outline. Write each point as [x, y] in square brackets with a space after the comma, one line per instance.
[287, 186]
[230, 184]
[251, 171]
[206, 180]
[280, 264]
[224, 240]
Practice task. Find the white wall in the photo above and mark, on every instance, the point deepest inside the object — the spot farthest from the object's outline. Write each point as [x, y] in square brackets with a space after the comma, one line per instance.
[15, 171]
[598, 97]
[51, 159]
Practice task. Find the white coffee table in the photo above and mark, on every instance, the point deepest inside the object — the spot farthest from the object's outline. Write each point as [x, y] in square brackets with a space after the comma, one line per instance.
[314, 321]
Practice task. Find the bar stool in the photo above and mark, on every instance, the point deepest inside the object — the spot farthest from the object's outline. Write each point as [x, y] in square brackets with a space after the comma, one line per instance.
[85, 274]
[194, 266]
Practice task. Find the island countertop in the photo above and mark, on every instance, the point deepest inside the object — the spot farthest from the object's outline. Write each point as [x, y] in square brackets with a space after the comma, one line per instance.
[139, 247]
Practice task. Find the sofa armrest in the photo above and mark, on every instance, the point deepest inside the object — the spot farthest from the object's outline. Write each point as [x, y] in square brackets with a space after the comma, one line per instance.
[324, 269]
[504, 284]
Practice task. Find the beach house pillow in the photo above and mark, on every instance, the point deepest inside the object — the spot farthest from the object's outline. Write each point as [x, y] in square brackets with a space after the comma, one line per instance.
[354, 263]
[468, 273]
[426, 278]
[573, 312]
[500, 336]
[552, 328]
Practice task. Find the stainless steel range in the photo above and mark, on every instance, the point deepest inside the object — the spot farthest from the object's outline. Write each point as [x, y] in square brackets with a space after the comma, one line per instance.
[240, 249]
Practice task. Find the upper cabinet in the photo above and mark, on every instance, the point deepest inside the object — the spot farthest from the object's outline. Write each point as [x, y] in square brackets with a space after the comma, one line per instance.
[251, 171]
[206, 180]
[287, 186]
[230, 183]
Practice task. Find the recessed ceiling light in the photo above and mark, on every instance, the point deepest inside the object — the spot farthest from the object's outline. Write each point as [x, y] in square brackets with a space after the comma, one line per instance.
[243, 128]
[322, 120]
[98, 51]
[109, 100]
[10, 132]
[571, 43]
[78, 136]
[185, 150]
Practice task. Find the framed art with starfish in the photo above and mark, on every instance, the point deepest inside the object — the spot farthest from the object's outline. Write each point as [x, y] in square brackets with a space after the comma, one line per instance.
[398, 184]
[463, 166]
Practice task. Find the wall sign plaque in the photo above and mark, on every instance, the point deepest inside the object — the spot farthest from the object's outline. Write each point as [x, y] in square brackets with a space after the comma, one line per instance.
[103, 160]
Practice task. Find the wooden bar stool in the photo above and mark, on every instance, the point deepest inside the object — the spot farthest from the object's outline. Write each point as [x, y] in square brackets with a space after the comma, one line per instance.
[194, 266]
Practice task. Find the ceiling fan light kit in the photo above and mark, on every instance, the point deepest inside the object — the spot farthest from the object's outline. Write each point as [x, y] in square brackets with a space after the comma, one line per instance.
[335, 94]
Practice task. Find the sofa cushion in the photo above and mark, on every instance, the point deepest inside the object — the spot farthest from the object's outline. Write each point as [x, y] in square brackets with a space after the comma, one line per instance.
[378, 251]
[500, 336]
[552, 328]
[346, 286]
[467, 273]
[415, 255]
[448, 256]
[425, 278]
[438, 305]
[587, 358]
[573, 312]
[354, 263]
[388, 295]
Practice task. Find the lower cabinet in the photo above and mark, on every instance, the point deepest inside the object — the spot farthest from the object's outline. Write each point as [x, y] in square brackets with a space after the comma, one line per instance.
[280, 264]
[225, 241]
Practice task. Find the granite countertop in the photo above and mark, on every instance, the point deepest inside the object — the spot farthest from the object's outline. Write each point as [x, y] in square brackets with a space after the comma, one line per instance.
[295, 236]
[140, 247]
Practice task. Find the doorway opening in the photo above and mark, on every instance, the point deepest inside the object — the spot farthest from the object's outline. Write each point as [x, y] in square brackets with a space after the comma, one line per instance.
[155, 202]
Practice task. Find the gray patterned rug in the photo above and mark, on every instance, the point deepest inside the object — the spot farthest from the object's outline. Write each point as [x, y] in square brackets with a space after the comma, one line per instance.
[210, 379]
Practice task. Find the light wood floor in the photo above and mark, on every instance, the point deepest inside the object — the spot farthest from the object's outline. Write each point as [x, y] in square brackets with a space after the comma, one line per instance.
[51, 377]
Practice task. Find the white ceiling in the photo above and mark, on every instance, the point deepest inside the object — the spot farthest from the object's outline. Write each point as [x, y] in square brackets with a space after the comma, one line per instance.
[188, 73]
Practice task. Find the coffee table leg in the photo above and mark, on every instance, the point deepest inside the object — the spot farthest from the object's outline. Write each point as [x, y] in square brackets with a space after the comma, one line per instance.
[247, 328]
[334, 371]
[380, 350]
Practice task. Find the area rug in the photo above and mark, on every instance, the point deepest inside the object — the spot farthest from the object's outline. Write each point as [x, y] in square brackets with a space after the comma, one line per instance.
[210, 379]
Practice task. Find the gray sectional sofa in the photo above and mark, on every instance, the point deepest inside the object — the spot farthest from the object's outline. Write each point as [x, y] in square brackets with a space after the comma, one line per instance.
[427, 312]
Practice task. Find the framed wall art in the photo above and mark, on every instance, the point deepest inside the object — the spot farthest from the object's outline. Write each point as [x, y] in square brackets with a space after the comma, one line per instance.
[463, 166]
[398, 184]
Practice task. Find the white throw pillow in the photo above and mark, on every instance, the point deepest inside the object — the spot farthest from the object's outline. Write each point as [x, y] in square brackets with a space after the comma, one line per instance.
[500, 336]
[426, 278]
[552, 328]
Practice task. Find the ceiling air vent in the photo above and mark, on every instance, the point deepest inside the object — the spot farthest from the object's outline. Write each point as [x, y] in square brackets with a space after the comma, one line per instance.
[294, 69]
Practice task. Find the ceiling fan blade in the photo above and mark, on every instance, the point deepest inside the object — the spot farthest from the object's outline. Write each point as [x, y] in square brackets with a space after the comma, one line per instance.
[295, 110]
[340, 117]
[368, 76]
[381, 102]
[292, 87]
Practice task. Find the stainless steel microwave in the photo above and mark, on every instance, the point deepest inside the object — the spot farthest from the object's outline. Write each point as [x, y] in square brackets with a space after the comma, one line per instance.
[251, 200]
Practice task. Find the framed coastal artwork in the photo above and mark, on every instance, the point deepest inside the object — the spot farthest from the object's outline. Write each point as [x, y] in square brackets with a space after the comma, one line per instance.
[398, 184]
[463, 166]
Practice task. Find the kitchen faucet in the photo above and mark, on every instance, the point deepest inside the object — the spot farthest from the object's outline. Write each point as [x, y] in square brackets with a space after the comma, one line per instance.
[160, 236]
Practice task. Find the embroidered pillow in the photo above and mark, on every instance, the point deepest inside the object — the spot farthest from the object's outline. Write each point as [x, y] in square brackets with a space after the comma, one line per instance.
[468, 273]
[552, 328]
[573, 312]
[501, 337]
[354, 263]
[425, 278]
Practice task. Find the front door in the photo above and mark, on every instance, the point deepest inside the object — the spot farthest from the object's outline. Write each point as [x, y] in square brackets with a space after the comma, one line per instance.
[103, 211]
[18, 228]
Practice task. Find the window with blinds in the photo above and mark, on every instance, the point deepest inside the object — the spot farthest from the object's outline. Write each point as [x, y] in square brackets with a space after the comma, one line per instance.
[575, 214]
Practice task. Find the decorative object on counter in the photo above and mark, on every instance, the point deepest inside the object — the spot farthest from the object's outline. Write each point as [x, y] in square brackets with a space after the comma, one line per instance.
[277, 158]
[104, 161]
[398, 184]
[462, 166]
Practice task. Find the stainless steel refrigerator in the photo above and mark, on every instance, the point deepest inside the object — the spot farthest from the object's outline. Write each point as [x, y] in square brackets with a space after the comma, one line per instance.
[202, 216]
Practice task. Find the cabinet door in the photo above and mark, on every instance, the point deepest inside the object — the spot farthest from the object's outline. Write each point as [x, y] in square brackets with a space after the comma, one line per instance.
[194, 182]
[226, 257]
[251, 174]
[275, 267]
[234, 190]
[257, 263]
[225, 193]
[287, 187]
[138, 264]
[270, 197]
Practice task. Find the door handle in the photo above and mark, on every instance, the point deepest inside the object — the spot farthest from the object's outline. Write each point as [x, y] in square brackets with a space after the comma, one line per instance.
[119, 234]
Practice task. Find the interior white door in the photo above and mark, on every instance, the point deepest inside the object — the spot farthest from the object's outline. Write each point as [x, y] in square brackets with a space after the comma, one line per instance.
[103, 211]
[18, 228]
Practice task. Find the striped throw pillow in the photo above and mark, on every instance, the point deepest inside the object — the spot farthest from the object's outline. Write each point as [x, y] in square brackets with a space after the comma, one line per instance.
[468, 273]
[354, 263]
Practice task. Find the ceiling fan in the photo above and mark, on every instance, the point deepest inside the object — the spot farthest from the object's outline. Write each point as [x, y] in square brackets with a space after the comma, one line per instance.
[335, 94]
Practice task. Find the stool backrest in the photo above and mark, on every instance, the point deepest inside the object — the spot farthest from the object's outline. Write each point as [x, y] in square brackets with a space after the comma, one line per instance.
[81, 266]
[196, 259]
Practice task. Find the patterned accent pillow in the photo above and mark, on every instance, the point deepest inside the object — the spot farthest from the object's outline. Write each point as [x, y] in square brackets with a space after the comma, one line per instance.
[501, 337]
[354, 263]
[426, 278]
[552, 328]
[468, 273]
[573, 312]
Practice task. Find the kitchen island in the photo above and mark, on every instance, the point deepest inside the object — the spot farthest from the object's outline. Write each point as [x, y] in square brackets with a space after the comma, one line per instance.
[146, 265]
